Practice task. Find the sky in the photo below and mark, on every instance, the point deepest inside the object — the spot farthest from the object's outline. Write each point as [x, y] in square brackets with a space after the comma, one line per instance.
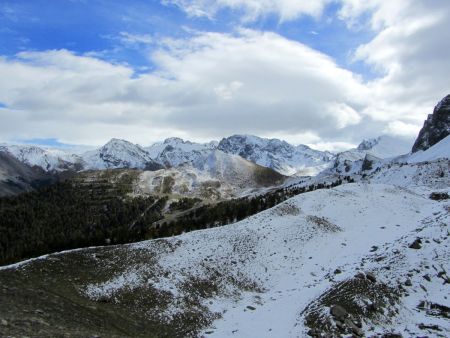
[327, 73]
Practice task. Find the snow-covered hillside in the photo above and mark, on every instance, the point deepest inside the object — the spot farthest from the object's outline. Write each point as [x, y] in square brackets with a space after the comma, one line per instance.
[209, 174]
[437, 151]
[46, 158]
[361, 259]
[385, 146]
[17, 177]
[114, 154]
[369, 155]
[276, 154]
[175, 151]
[297, 252]
[119, 154]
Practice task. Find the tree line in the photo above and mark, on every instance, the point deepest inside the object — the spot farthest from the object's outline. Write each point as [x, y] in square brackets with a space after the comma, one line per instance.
[230, 211]
[75, 214]
[69, 215]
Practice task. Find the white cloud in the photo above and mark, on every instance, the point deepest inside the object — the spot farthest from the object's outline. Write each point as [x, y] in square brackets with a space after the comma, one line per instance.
[409, 50]
[399, 128]
[286, 10]
[210, 85]
[214, 84]
[226, 91]
[129, 38]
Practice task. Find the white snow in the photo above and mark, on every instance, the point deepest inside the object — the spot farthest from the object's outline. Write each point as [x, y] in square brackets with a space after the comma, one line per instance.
[278, 155]
[48, 159]
[437, 151]
[386, 146]
[175, 151]
[117, 154]
[212, 174]
[291, 251]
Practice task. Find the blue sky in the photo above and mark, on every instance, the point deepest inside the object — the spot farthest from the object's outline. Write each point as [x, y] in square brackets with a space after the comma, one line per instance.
[325, 73]
[96, 26]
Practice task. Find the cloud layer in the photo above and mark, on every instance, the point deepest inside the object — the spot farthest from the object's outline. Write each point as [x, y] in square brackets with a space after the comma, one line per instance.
[210, 85]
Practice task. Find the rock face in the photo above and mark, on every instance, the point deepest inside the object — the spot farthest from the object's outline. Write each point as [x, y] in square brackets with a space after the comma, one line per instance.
[436, 126]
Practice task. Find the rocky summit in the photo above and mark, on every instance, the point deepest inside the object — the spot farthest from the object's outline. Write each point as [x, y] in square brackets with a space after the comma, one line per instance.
[436, 126]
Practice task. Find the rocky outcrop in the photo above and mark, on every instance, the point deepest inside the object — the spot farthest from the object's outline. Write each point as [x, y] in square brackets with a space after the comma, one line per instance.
[436, 126]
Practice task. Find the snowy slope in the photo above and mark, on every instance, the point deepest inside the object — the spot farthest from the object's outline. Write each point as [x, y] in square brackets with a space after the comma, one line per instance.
[46, 158]
[276, 154]
[175, 151]
[378, 151]
[437, 151]
[210, 174]
[385, 146]
[279, 273]
[283, 261]
[119, 154]
[17, 177]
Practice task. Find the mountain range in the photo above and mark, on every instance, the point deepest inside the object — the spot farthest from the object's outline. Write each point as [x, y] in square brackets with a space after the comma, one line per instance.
[359, 250]
[271, 153]
[193, 164]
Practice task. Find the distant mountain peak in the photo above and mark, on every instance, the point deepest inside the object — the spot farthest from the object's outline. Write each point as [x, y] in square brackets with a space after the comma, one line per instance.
[436, 127]
[175, 140]
[118, 153]
[277, 154]
[117, 142]
[368, 144]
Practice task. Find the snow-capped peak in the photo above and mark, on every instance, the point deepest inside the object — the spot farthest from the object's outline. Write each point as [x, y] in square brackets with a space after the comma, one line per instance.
[175, 151]
[385, 146]
[368, 144]
[118, 153]
[375, 150]
[46, 158]
[279, 155]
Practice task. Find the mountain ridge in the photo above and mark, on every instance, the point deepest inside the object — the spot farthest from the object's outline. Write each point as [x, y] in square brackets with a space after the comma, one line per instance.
[436, 127]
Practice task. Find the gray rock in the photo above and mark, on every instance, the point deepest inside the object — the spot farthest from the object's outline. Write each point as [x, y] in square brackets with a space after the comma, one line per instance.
[360, 275]
[355, 330]
[436, 127]
[370, 276]
[372, 307]
[416, 244]
[408, 282]
[338, 312]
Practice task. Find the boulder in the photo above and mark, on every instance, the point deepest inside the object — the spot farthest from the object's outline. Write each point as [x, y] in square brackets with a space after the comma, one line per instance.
[416, 244]
[370, 276]
[338, 312]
